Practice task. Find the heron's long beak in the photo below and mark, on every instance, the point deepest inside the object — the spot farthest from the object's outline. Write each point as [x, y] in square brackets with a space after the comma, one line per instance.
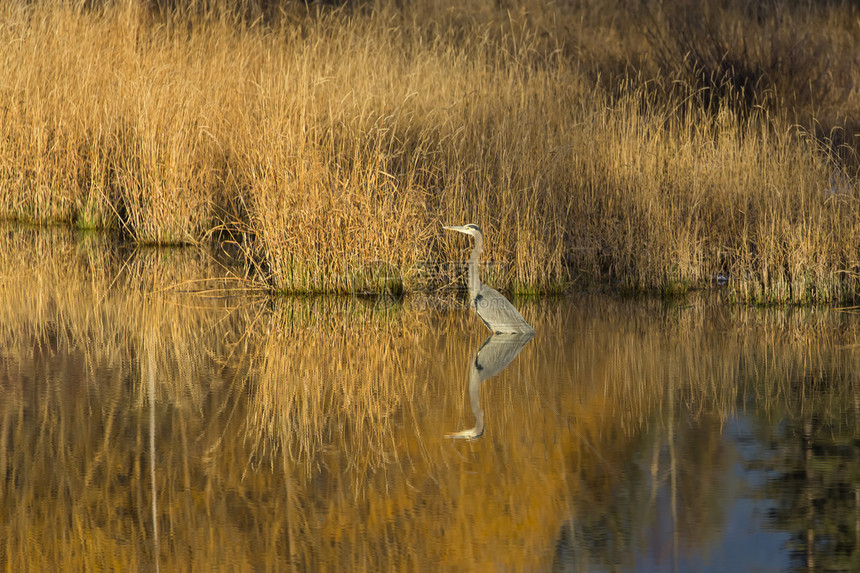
[461, 229]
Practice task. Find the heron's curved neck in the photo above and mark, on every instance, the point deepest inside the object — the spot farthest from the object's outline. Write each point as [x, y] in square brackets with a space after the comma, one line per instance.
[474, 277]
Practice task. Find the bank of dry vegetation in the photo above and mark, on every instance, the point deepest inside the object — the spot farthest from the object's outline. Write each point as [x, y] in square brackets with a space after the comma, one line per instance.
[655, 147]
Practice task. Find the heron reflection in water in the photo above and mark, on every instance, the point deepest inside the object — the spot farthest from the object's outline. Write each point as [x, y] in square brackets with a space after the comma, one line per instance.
[510, 332]
[494, 355]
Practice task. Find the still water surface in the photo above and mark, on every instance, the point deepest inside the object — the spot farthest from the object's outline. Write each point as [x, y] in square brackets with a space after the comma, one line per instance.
[154, 420]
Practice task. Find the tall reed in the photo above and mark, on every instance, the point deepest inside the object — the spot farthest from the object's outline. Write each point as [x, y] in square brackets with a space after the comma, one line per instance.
[589, 148]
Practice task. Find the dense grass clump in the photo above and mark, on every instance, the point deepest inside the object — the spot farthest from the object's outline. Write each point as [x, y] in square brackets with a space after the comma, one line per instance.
[659, 148]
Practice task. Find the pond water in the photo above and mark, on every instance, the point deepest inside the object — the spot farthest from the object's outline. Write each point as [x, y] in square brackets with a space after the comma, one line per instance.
[156, 415]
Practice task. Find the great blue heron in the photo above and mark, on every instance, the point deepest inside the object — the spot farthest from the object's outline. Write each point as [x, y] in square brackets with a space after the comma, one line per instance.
[496, 311]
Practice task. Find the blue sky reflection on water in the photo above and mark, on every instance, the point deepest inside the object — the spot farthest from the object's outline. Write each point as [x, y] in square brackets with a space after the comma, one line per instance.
[745, 542]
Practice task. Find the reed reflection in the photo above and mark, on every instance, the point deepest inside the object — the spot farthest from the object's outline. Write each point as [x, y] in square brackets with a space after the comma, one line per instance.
[309, 433]
[497, 351]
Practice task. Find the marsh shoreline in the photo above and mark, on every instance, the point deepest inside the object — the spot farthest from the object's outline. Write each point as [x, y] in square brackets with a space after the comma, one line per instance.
[645, 150]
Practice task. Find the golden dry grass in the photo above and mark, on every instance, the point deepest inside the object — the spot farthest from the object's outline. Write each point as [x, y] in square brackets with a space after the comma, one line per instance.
[595, 144]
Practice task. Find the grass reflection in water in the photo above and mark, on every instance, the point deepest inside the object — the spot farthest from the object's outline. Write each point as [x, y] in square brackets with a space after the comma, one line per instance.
[310, 432]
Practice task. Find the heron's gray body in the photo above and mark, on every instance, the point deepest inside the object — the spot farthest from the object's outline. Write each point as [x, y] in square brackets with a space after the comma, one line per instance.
[495, 310]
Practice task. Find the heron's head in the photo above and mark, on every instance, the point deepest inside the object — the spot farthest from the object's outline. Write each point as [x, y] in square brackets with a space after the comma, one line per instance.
[469, 229]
